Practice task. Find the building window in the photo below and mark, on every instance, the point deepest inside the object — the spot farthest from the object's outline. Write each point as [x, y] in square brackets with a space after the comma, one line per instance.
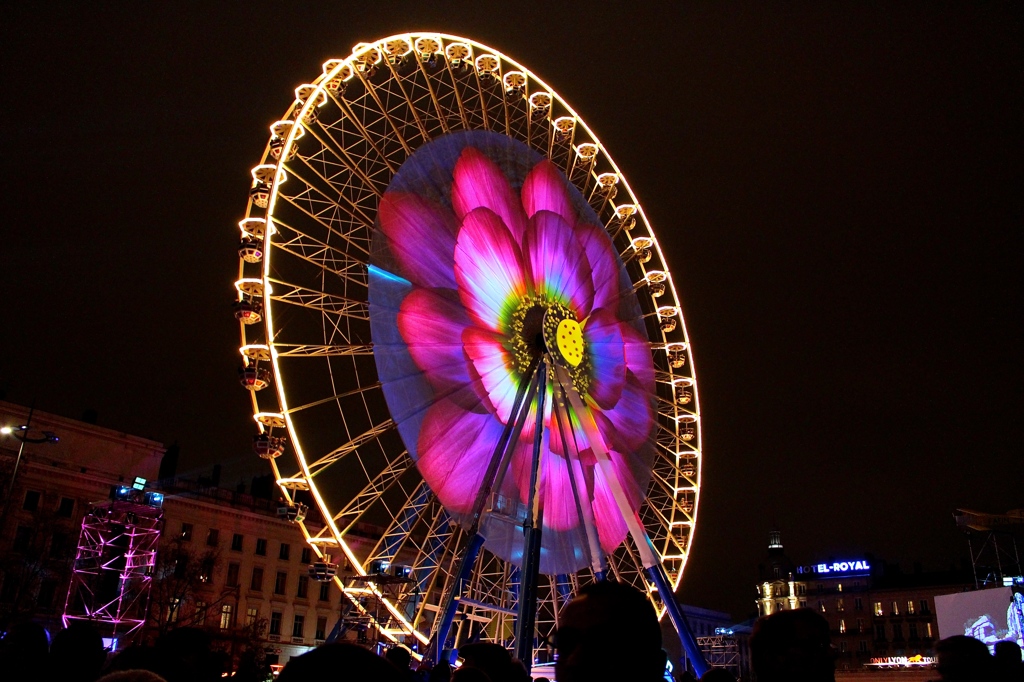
[172, 610]
[275, 622]
[225, 616]
[186, 532]
[858, 604]
[839, 604]
[880, 631]
[928, 630]
[261, 547]
[58, 545]
[912, 627]
[232, 575]
[842, 626]
[212, 537]
[897, 632]
[31, 500]
[821, 606]
[252, 614]
[321, 628]
[22, 538]
[878, 609]
[325, 592]
[863, 646]
[298, 625]
[910, 607]
[285, 551]
[280, 582]
[206, 569]
[200, 617]
[236, 542]
[307, 555]
[779, 606]
[803, 603]
[801, 590]
[66, 508]
[842, 647]
[924, 606]
[257, 578]
[860, 625]
[303, 587]
[839, 587]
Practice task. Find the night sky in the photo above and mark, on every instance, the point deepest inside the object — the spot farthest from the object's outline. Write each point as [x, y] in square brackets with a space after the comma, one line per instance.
[837, 188]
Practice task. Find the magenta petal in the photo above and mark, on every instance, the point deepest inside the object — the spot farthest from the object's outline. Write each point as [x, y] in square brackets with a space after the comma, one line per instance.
[544, 190]
[494, 367]
[478, 182]
[628, 425]
[421, 235]
[432, 327]
[557, 500]
[558, 267]
[638, 356]
[488, 269]
[611, 527]
[604, 264]
[455, 447]
[603, 336]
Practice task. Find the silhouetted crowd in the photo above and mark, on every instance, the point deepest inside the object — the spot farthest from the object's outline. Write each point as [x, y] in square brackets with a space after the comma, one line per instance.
[789, 646]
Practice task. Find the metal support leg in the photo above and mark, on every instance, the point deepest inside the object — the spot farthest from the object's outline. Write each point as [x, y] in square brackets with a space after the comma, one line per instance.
[527, 607]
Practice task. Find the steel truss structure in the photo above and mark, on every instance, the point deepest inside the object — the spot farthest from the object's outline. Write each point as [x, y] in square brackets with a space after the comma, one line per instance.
[721, 651]
[113, 568]
[992, 540]
[302, 305]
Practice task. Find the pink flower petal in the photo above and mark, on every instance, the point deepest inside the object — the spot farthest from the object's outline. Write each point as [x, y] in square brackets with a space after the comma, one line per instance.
[421, 235]
[558, 266]
[556, 494]
[478, 182]
[638, 356]
[628, 425]
[432, 327]
[604, 264]
[494, 367]
[455, 447]
[611, 527]
[488, 269]
[603, 336]
[545, 190]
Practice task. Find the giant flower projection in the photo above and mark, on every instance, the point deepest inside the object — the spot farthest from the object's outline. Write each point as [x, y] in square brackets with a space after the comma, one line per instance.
[482, 244]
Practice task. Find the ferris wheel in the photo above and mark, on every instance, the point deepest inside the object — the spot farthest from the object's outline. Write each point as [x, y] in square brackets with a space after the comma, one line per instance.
[458, 325]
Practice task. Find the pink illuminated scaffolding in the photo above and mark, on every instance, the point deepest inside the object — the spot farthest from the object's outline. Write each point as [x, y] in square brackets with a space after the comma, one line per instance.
[114, 567]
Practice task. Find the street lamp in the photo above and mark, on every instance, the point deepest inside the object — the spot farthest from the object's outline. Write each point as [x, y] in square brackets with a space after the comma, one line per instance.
[23, 434]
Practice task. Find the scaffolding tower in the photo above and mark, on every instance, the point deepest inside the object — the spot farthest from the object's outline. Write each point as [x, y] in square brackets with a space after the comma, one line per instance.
[114, 564]
[721, 651]
[993, 543]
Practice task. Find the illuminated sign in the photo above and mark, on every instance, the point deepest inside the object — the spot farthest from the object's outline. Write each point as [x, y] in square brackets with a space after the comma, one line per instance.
[918, 661]
[850, 566]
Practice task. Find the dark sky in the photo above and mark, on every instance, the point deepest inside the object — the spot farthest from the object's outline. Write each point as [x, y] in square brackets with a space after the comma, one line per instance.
[836, 185]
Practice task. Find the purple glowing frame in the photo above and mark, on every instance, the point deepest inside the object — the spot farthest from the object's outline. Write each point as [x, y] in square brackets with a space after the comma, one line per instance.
[472, 275]
[317, 210]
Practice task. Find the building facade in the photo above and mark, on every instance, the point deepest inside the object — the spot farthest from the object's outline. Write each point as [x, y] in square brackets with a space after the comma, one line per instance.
[879, 617]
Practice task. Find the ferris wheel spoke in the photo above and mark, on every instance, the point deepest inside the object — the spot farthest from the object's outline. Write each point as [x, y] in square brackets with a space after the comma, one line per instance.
[302, 350]
[322, 134]
[383, 110]
[359, 141]
[317, 208]
[399, 531]
[328, 304]
[406, 86]
[324, 256]
[365, 498]
[350, 447]
[353, 208]
[335, 398]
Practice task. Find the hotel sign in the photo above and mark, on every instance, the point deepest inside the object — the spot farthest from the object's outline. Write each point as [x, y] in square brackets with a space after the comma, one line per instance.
[847, 567]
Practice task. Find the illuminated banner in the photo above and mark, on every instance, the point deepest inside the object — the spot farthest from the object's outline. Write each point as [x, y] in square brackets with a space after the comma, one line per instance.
[902, 661]
[848, 567]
